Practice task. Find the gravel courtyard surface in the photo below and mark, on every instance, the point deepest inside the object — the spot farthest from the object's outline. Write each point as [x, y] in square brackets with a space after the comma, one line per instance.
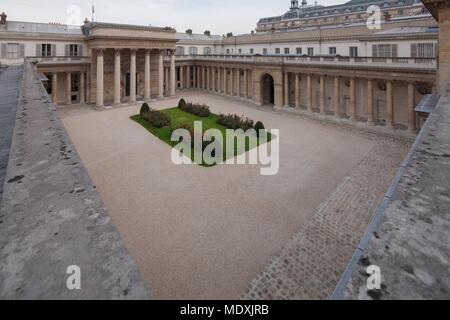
[227, 232]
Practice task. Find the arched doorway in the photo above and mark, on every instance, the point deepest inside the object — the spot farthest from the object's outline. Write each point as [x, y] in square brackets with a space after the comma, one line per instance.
[267, 90]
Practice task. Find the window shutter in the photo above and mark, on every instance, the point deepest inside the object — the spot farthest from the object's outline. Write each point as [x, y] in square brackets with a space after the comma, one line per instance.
[53, 50]
[80, 50]
[394, 50]
[67, 50]
[22, 50]
[38, 50]
[413, 50]
[3, 51]
[374, 50]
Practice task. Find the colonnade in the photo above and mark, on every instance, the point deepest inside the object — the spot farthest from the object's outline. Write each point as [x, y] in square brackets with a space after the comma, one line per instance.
[170, 75]
[337, 101]
[223, 80]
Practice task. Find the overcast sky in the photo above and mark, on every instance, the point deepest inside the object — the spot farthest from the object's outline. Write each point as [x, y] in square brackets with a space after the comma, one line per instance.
[218, 16]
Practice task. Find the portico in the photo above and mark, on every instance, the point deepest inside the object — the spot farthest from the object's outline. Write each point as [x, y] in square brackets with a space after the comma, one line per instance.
[127, 63]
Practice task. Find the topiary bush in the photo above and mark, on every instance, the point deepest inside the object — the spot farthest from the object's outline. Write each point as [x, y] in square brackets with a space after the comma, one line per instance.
[145, 110]
[259, 126]
[158, 119]
[181, 103]
[233, 121]
[201, 110]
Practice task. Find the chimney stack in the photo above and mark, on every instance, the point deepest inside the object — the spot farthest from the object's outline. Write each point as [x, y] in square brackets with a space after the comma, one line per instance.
[3, 17]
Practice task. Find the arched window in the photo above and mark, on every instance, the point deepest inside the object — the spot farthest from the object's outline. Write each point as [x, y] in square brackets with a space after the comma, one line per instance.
[179, 51]
[193, 50]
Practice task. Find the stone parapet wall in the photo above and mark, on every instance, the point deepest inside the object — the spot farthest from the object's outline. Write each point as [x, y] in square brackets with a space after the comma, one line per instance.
[53, 217]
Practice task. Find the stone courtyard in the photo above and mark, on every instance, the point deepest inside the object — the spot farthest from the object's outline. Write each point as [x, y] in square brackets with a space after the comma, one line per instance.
[195, 234]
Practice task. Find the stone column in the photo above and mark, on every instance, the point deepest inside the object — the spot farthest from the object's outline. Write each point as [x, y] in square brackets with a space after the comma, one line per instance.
[82, 89]
[55, 88]
[225, 80]
[117, 75]
[232, 83]
[160, 74]
[309, 92]
[389, 105]
[199, 75]
[208, 78]
[286, 89]
[133, 76]
[172, 73]
[352, 99]
[204, 78]
[322, 94]
[214, 79]
[181, 77]
[238, 83]
[100, 66]
[88, 86]
[69, 88]
[337, 97]
[297, 91]
[147, 76]
[370, 109]
[219, 80]
[411, 107]
[188, 76]
[167, 82]
[245, 85]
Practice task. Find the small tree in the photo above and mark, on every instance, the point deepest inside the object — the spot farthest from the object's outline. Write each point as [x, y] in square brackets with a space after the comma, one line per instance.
[189, 31]
[145, 110]
[259, 126]
[229, 34]
[207, 33]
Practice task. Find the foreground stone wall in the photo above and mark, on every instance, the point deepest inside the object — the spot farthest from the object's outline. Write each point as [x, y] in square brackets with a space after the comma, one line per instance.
[411, 244]
[52, 216]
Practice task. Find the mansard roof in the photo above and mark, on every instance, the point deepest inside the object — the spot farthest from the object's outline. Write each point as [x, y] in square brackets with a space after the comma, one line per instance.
[312, 11]
[35, 27]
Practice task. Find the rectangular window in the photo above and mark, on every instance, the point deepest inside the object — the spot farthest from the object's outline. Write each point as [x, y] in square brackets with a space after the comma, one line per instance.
[423, 50]
[298, 50]
[384, 50]
[286, 50]
[228, 51]
[252, 51]
[12, 51]
[277, 51]
[332, 50]
[353, 51]
[74, 50]
[206, 50]
[192, 50]
[265, 51]
[310, 51]
[46, 50]
[179, 51]
[240, 51]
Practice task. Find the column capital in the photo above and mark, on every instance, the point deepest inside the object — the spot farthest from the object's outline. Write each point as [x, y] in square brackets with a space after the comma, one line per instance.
[133, 50]
[117, 51]
[99, 51]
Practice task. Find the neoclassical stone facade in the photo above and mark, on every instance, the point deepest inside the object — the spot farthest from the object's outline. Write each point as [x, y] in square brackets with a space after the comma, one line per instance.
[104, 64]
[376, 96]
